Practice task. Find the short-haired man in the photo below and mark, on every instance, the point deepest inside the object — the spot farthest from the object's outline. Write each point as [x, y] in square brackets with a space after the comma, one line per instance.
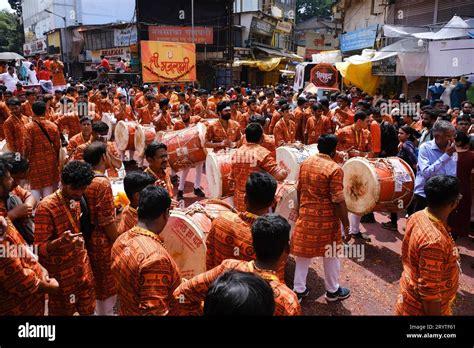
[14, 127]
[285, 128]
[156, 155]
[224, 133]
[430, 257]
[146, 274]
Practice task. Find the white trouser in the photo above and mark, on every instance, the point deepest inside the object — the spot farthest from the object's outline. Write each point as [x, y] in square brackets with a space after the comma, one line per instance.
[354, 222]
[42, 193]
[184, 174]
[332, 269]
[106, 307]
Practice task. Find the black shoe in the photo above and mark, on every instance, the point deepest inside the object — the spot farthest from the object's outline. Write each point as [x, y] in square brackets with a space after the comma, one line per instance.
[175, 180]
[362, 236]
[198, 193]
[302, 295]
[180, 196]
[368, 219]
[390, 226]
[340, 294]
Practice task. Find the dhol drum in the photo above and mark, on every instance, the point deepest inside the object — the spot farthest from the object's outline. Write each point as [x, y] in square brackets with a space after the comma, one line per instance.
[110, 120]
[186, 147]
[144, 136]
[185, 235]
[287, 204]
[125, 135]
[384, 185]
[218, 170]
[291, 158]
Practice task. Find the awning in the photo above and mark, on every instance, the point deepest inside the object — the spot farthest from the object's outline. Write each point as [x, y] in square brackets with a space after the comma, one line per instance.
[279, 53]
[263, 65]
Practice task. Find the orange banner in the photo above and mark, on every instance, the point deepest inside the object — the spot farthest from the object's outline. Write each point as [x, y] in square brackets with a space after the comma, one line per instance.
[168, 61]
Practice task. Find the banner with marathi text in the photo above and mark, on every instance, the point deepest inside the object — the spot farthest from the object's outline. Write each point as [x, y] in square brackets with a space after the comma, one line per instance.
[168, 61]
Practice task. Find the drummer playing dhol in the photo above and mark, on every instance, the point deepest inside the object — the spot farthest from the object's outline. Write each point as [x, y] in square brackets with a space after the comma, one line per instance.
[225, 133]
[355, 141]
[285, 129]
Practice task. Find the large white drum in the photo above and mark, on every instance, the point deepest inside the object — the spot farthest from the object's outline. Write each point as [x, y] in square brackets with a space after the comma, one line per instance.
[125, 135]
[291, 158]
[144, 136]
[382, 184]
[287, 204]
[218, 171]
[185, 235]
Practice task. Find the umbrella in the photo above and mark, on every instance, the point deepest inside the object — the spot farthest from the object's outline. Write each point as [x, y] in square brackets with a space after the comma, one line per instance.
[10, 56]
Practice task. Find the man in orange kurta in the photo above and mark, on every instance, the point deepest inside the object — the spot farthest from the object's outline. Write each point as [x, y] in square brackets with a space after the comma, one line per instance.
[100, 202]
[79, 139]
[316, 125]
[61, 243]
[245, 118]
[204, 108]
[156, 155]
[26, 107]
[430, 257]
[104, 105]
[268, 141]
[57, 70]
[224, 133]
[123, 112]
[14, 128]
[285, 129]
[42, 144]
[300, 118]
[147, 114]
[68, 119]
[134, 183]
[342, 116]
[230, 235]
[322, 209]
[162, 121]
[269, 249]
[250, 158]
[146, 274]
[4, 115]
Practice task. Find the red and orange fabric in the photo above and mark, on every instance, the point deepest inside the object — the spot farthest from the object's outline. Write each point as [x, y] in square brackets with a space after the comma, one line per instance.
[205, 111]
[123, 113]
[162, 180]
[57, 70]
[128, 220]
[195, 289]
[42, 155]
[320, 188]
[146, 114]
[145, 273]
[19, 279]
[348, 138]
[74, 143]
[317, 127]
[70, 124]
[246, 160]
[345, 119]
[104, 105]
[431, 266]
[276, 116]
[14, 129]
[100, 201]
[4, 115]
[216, 132]
[285, 133]
[268, 143]
[376, 136]
[164, 122]
[230, 237]
[70, 264]
[27, 109]
[179, 124]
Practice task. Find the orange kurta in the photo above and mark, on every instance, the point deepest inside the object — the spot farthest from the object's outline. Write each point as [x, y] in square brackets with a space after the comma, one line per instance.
[19, 279]
[104, 106]
[123, 113]
[70, 124]
[268, 143]
[100, 201]
[181, 125]
[164, 123]
[276, 116]
[348, 138]
[146, 275]
[26, 109]
[317, 127]
[128, 220]
[248, 159]
[43, 155]
[320, 189]
[146, 114]
[162, 180]
[70, 264]
[216, 132]
[74, 144]
[4, 115]
[195, 289]
[284, 133]
[230, 237]
[57, 70]
[14, 129]
[205, 111]
[346, 120]
[431, 266]
[299, 118]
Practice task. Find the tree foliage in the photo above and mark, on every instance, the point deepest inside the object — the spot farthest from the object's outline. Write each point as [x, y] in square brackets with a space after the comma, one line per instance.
[306, 9]
[16, 6]
[11, 33]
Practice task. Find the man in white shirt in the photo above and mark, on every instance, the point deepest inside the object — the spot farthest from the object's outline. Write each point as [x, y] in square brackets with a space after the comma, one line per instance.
[10, 79]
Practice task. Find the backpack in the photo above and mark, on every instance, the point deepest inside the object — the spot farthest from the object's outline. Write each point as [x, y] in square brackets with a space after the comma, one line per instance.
[23, 73]
[389, 139]
[86, 225]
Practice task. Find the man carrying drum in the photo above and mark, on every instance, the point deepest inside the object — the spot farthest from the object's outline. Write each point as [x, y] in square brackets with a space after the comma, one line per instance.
[204, 108]
[156, 155]
[322, 211]
[249, 158]
[316, 125]
[285, 129]
[355, 141]
[224, 133]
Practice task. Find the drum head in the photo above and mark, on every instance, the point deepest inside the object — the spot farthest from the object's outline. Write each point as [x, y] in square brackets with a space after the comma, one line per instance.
[286, 159]
[287, 206]
[202, 129]
[121, 135]
[361, 186]
[214, 176]
[184, 241]
[109, 120]
[140, 140]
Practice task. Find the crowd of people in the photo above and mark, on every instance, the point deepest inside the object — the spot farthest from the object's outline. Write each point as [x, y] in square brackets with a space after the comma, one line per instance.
[59, 161]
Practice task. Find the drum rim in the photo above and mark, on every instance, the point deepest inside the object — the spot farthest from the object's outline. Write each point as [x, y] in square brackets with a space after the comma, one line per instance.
[182, 215]
[118, 140]
[294, 187]
[141, 130]
[211, 156]
[285, 149]
[374, 175]
[202, 130]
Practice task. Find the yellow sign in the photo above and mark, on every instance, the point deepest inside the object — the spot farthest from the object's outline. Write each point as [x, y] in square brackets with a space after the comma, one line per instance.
[168, 61]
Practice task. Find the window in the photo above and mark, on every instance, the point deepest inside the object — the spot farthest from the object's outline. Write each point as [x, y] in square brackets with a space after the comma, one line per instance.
[97, 40]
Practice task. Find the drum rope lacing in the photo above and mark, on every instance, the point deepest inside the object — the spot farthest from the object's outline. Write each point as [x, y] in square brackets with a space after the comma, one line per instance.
[184, 162]
[199, 209]
[394, 200]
